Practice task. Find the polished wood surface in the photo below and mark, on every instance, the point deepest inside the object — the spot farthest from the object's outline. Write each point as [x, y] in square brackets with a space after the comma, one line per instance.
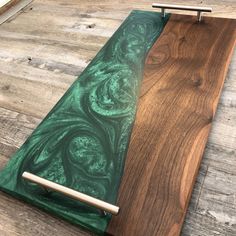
[184, 74]
[43, 49]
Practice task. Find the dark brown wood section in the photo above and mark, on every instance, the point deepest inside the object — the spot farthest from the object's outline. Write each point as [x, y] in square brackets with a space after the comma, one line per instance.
[184, 75]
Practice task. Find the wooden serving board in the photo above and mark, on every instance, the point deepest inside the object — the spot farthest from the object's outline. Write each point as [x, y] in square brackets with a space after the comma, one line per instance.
[82, 142]
[183, 78]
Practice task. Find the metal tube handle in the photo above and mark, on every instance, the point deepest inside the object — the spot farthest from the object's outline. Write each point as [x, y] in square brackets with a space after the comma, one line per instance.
[105, 206]
[199, 10]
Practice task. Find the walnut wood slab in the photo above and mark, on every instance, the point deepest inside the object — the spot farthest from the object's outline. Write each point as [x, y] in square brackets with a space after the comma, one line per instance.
[184, 75]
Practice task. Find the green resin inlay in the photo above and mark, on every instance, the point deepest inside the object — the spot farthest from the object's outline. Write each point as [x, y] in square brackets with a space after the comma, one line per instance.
[82, 142]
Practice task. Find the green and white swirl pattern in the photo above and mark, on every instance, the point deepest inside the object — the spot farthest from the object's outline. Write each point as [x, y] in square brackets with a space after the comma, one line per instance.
[82, 142]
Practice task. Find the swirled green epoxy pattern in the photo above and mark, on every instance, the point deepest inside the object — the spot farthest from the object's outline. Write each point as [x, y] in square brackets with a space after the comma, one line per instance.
[82, 142]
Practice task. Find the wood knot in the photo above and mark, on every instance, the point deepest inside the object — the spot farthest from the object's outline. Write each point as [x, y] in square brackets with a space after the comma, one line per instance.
[6, 87]
[182, 40]
[85, 15]
[197, 82]
[91, 26]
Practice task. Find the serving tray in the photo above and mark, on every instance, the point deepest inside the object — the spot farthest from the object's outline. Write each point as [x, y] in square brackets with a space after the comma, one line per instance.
[131, 130]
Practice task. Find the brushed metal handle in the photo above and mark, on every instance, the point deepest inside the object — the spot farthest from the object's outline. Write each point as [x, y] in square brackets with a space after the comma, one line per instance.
[199, 10]
[102, 205]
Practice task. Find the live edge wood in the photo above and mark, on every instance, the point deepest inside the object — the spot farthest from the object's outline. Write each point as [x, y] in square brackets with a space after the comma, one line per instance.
[184, 74]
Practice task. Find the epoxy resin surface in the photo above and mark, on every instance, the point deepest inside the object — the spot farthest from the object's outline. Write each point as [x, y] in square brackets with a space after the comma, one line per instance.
[82, 142]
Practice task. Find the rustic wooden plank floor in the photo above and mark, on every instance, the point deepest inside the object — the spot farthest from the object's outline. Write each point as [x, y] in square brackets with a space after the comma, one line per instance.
[42, 50]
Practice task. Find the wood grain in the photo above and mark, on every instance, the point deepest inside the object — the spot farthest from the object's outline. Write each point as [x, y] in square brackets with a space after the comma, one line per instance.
[184, 75]
[11, 8]
[50, 42]
[8, 4]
